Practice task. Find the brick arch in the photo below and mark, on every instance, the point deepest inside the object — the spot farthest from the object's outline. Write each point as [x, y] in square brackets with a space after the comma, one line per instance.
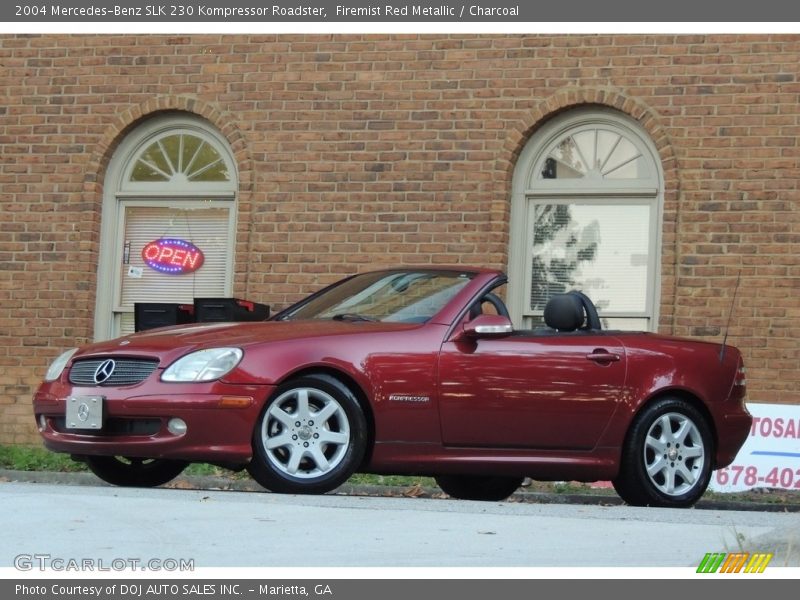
[569, 98]
[129, 119]
[576, 97]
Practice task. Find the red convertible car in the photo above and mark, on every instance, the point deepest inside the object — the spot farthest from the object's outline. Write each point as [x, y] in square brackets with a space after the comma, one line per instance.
[404, 371]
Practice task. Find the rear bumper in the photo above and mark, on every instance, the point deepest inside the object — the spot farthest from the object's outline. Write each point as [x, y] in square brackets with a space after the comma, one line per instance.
[218, 430]
[732, 431]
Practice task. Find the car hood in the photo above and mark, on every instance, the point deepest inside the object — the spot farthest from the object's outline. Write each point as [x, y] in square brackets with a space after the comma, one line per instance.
[169, 343]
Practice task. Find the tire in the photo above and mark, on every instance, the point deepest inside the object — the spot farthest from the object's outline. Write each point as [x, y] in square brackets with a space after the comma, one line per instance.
[478, 487]
[310, 437]
[667, 456]
[135, 472]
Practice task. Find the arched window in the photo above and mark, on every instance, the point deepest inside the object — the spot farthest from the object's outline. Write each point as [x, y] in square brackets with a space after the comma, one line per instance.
[178, 157]
[586, 214]
[168, 223]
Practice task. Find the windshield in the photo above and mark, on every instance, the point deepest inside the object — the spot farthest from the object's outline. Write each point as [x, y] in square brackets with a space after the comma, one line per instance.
[396, 296]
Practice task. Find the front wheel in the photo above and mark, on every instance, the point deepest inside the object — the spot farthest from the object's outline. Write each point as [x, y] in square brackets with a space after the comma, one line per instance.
[310, 438]
[478, 487]
[667, 457]
[135, 472]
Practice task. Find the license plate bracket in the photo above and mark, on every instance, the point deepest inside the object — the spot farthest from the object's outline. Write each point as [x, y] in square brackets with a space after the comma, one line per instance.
[84, 412]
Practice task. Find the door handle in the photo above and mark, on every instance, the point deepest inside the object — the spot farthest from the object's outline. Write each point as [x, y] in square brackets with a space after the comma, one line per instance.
[602, 356]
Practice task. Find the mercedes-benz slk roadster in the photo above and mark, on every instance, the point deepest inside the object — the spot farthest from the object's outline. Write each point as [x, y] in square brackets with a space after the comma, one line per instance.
[405, 371]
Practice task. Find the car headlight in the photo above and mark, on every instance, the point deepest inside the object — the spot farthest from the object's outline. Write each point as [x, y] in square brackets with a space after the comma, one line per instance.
[57, 366]
[203, 365]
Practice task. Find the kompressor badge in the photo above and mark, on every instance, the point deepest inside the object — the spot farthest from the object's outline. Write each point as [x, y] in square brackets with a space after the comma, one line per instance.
[408, 398]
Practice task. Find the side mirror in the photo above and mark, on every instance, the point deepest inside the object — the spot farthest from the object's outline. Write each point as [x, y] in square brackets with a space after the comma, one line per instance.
[487, 326]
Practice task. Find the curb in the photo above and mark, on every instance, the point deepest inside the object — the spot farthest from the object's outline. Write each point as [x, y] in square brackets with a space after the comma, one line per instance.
[213, 483]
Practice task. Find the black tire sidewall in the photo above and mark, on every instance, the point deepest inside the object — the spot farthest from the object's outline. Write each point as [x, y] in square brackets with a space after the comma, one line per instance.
[111, 470]
[266, 474]
[490, 488]
[634, 472]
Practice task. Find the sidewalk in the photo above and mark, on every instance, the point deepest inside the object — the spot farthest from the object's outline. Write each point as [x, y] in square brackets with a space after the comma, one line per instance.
[758, 501]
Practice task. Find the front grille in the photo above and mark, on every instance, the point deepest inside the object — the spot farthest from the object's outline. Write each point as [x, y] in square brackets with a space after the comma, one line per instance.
[127, 371]
[112, 426]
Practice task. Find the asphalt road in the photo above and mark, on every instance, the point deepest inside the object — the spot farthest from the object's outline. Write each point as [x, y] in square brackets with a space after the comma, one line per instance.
[251, 529]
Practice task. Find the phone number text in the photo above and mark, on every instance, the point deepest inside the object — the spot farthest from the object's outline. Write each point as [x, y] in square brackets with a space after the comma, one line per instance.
[750, 476]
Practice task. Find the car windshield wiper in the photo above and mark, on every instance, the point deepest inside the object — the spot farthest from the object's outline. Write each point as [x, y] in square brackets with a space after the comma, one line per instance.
[351, 317]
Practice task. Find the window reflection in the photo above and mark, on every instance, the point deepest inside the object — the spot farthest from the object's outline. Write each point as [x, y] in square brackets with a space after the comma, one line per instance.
[180, 158]
[601, 248]
[601, 152]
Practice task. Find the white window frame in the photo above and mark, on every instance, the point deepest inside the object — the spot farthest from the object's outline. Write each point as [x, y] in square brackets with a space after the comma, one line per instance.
[118, 309]
[119, 192]
[528, 188]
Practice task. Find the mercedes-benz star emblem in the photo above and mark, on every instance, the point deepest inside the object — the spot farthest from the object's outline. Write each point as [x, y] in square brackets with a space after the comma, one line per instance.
[83, 412]
[104, 370]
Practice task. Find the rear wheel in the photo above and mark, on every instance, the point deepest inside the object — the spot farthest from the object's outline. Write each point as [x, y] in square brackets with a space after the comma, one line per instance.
[478, 487]
[667, 456]
[310, 438]
[135, 472]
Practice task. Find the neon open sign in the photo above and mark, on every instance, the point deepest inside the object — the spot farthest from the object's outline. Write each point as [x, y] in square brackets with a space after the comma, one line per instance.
[172, 256]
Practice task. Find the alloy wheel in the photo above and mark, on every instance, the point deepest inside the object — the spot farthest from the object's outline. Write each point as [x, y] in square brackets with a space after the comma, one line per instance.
[674, 454]
[305, 433]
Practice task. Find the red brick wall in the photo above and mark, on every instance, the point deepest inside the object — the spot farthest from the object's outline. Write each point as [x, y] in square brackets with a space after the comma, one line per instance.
[356, 151]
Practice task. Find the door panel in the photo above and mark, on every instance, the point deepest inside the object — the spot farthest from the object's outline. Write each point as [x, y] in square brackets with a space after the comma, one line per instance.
[549, 391]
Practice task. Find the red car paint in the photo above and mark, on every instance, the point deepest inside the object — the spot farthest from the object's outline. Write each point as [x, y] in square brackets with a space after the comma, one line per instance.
[551, 406]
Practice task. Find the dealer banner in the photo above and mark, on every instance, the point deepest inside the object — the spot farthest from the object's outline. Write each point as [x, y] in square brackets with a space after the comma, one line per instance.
[770, 458]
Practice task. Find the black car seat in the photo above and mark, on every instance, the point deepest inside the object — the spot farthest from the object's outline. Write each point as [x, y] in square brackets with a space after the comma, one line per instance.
[570, 312]
[564, 312]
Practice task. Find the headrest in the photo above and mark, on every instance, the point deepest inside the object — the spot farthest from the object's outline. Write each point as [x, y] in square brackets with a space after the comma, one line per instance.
[564, 312]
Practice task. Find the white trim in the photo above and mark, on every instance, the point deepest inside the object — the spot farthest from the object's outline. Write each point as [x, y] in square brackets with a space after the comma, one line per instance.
[178, 196]
[604, 192]
[597, 200]
[116, 194]
[526, 186]
[141, 139]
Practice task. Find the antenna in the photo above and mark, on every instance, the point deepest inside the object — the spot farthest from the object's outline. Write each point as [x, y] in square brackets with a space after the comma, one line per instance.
[730, 314]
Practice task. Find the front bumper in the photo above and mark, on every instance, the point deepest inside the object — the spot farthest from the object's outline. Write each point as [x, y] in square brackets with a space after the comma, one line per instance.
[220, 419]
